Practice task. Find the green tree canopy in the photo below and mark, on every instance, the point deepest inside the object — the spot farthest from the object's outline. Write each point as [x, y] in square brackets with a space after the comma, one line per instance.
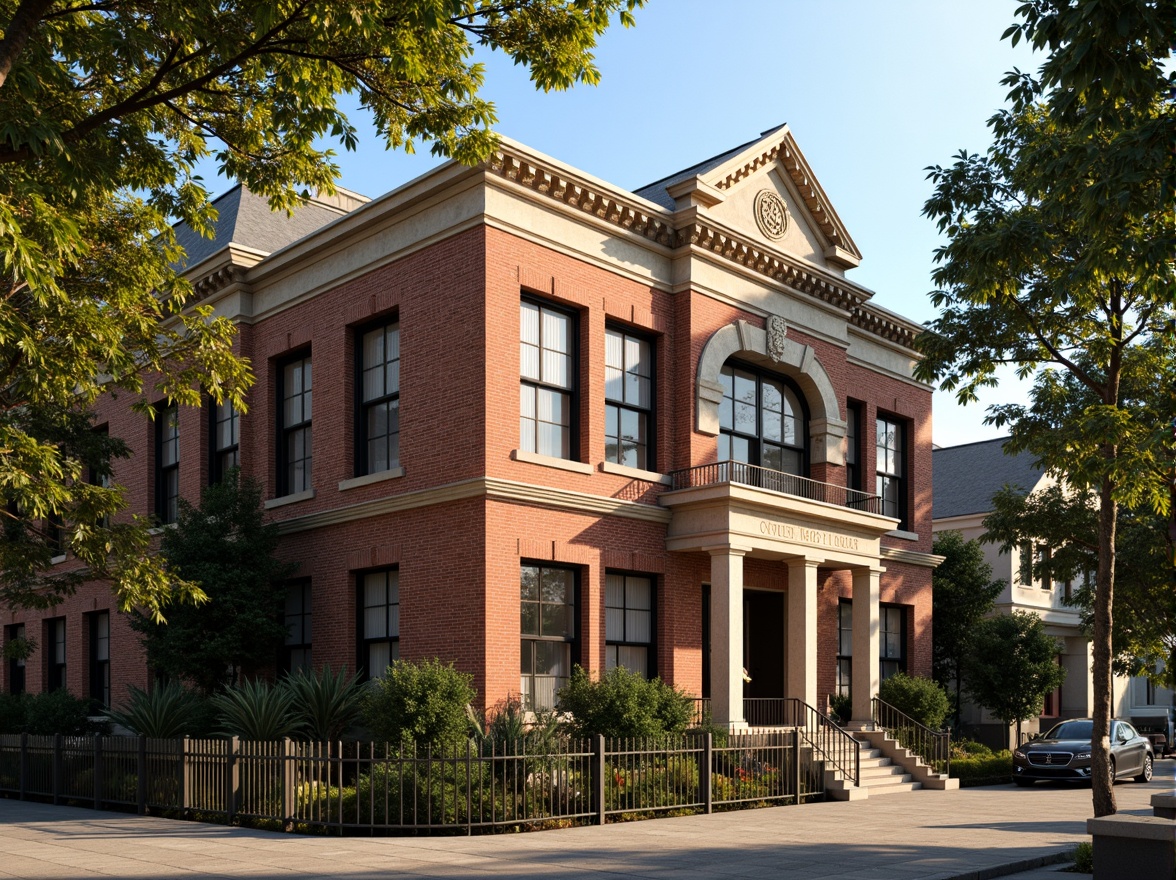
[1059, 261]
[962, 594]
[1011, 665]
[106, 108]
[226, 547]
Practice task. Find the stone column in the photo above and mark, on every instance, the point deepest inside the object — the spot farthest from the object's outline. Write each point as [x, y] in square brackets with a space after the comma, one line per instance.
[802, 629]
[864, 670]
[726, 591]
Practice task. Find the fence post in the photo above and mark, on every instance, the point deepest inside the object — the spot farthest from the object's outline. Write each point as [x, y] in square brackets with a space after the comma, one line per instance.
[141, 781]
[57, 769]
[232, 778]
[470, 786]
[183, 780]
[24, 764]
[598, 778]
[289, 782]
[704, 778]
[796, 764]
[99, 773]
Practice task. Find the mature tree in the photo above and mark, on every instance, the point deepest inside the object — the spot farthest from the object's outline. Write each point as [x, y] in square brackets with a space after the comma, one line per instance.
[1143, 632]
[226, 547]
[1059, 261]
[106, 108]
[962, 594]
[1011, 665]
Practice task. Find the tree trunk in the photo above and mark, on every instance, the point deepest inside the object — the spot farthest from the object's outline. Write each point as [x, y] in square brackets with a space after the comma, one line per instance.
[1101, 783]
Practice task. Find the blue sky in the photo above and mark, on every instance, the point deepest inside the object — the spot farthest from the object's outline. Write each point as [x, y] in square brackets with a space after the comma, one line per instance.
[873, 91]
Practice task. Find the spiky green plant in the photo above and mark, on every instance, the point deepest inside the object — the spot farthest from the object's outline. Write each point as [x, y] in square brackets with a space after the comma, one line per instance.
[326, 702]
[257, 710]
[168, 710]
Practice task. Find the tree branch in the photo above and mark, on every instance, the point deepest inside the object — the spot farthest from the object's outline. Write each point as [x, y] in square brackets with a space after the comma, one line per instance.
[16, 36]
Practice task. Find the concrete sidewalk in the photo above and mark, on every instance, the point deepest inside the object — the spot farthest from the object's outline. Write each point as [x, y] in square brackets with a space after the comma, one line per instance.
[926, 835]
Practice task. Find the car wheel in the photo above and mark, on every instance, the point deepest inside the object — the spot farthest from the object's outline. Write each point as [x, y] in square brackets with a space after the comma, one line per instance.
[1146, 774]
[1022, 783]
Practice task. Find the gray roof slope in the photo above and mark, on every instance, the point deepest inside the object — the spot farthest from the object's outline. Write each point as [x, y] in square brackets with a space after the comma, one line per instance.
[656, 191]
[246, 219]
[964, 478]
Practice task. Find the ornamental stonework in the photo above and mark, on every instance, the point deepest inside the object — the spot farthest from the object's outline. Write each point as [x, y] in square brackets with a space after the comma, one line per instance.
[770, 214]
[777, 333]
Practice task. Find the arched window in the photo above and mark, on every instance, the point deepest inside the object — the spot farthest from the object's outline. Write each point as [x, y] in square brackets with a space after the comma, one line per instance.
[762, 420]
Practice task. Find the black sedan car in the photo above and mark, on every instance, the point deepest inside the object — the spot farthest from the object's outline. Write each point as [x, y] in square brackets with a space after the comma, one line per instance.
[1064, 753]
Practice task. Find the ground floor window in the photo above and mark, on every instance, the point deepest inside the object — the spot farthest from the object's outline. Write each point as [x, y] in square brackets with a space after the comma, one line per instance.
[55, 655]
[628, 627]
[16, 662]
[548, 629]
[100, 658]
[892, 640]
[296, 651]
[379, 602]
[844, 647]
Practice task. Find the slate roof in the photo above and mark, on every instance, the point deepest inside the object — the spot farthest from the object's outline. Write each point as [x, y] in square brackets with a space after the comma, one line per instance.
[964, 478]
[656, 191]
[246, 219]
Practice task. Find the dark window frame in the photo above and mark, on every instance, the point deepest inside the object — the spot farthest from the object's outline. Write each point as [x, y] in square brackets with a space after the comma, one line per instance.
[55, 669]
[760, 374]
[901, 479]
[362, 642]
[305, 627]
[651, 645]
[574, 640]
[843, 679]
[903, 638]
[99, 672]
[573, 389]
[854, 450]
[17, 666]
[362, 407]
[167, 504]
[285, 432]
[649, 413]
[216, 452]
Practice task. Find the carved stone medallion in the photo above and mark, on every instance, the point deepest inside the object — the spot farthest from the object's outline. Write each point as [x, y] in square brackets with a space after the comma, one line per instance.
[770, 214]
[777, 331]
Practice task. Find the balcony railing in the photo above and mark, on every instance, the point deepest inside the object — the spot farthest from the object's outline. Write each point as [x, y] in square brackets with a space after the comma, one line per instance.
[776, 481]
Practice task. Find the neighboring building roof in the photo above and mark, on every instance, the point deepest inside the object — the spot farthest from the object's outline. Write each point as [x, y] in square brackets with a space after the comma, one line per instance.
[246, 219]
[964, 478]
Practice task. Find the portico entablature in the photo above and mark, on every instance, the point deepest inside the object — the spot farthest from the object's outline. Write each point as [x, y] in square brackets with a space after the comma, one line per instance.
[770, 524]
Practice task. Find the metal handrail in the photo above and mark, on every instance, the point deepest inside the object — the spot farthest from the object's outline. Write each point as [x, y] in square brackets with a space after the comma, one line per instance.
[933, 746]
[838, 748]
[777, 481]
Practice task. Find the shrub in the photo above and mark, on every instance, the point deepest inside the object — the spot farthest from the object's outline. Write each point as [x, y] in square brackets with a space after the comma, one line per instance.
[168, 710]
[425, 702]
[920, 698]
[13, 711]
[257, 711]
[840, 708]
[966, 748]
[622, 703]
[992, 769]
[326, 702]
[58, 711]
[1084, 858]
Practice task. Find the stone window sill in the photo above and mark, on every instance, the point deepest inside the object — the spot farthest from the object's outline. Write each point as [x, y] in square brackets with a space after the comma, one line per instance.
[905, 535]
[305, 495]
[633, 473]
[367, 479]
[562, 464]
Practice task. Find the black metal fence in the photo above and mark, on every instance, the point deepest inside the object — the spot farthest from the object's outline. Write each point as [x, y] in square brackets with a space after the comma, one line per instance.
[378, 787]
[933, 746]
[777, 481]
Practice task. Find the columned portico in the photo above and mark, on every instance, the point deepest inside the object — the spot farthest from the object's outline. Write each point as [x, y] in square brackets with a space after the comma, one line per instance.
[802, 629]
[864, 674]
[727, 635]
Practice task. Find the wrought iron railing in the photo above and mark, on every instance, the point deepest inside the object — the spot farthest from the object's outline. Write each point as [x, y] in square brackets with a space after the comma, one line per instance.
[933, 746]
[777, 481]
[839, 750]
[377, 787]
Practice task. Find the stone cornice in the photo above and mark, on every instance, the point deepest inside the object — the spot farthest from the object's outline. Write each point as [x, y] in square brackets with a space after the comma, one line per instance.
[479, 487]
[912, 557]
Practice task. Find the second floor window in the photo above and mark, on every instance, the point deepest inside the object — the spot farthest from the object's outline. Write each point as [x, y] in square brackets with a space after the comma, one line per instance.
[294, 454]
[853, 449]
[891, 468]
[225, 447]
[167, 464]
[761, 421]
[547, 367]
[379, 393]
[628, 395]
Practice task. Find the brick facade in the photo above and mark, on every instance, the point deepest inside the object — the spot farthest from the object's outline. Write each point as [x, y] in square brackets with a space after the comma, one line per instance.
[466, 508]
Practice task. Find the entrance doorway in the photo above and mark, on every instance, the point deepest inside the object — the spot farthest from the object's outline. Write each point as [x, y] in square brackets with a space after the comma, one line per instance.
[763, 644]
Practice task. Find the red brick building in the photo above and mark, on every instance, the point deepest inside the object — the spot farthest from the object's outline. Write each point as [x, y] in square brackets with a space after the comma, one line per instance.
[519, 418]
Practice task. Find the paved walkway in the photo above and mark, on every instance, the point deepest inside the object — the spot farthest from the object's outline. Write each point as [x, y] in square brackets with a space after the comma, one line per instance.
[924, 835]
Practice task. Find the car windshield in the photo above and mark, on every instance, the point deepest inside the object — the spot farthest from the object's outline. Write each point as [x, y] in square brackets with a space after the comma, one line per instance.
[1072, 730]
